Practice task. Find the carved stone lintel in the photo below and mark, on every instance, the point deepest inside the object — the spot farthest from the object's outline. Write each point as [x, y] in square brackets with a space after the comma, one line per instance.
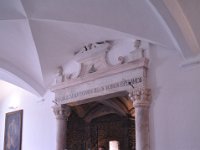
[141, 97]
[61, 111]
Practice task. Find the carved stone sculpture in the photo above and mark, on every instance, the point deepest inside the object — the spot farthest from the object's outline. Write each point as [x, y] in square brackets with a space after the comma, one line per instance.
[60, 76]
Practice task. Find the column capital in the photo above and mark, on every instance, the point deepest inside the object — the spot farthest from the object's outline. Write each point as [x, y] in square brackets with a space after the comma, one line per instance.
[62, 111]
[140, 97]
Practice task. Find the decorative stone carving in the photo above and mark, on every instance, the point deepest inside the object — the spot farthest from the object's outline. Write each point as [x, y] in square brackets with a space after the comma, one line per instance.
[68, 76]
[137, 52]
[103, 82]
[97, 62]
[137, 44]
[97, 45]
[60, 76]
[92, 69]
[140, 97]
[75, 73]
[121, 59]
[61, 111]
[93, 58]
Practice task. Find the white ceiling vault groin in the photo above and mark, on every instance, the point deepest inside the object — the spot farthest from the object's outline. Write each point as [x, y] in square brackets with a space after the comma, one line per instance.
[37, 36]
[181, 18]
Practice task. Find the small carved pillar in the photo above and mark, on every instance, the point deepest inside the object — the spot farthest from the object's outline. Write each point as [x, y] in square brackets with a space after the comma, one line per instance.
[62, 113]
[141, 102]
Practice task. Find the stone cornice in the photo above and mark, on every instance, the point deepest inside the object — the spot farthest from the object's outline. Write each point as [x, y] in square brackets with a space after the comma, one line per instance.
[62, 111]
[141, 97]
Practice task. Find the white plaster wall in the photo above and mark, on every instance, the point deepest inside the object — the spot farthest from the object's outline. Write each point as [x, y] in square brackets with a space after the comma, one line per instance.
[39, 126]
[174, 113]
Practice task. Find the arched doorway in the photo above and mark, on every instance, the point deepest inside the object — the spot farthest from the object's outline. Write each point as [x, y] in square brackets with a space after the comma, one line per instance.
[97, 84]
[93, 125]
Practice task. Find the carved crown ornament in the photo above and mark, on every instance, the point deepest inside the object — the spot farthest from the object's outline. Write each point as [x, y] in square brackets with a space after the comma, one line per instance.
[92, 58]
[94, 76]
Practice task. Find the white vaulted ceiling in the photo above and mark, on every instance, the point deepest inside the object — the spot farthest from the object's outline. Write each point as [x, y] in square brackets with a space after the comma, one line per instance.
[36, 36]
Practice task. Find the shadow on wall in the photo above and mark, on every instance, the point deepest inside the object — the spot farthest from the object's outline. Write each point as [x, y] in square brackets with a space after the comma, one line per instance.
[155, 63]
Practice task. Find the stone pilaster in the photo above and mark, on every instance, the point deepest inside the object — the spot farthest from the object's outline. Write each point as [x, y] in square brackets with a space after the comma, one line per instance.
[62, 113]
[141, 102]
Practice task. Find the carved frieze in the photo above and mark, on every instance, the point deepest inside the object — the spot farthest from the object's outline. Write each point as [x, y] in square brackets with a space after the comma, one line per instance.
[112, 82]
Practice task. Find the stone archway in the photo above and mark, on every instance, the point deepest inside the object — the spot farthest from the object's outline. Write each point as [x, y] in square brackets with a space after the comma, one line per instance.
[94, 124]
[96, 80]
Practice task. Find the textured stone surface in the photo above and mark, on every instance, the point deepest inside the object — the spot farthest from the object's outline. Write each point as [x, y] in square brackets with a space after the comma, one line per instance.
[141, 102]
[62, 113]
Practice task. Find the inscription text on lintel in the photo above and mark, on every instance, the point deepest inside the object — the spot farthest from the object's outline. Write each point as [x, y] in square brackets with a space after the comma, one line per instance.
[115, 85]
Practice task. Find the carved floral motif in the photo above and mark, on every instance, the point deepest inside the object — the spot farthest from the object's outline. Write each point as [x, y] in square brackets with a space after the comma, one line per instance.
[140, 97]
[61, 111]
[121, 59]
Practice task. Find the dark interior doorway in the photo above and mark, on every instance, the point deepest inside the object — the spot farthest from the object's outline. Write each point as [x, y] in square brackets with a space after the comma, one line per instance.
[93, 125]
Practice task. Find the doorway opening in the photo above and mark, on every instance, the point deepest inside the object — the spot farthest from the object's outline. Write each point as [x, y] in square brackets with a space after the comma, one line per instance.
[93, 125]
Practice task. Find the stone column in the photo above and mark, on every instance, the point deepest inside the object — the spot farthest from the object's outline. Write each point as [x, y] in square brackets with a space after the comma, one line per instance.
[62, 113]
[141, 102]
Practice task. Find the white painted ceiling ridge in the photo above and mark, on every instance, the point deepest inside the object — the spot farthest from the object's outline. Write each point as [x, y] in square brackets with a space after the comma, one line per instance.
[39, 68]
[123, 34]
[18, 53]
[166, 27]
[179, 27]
[12, 10]
[14, 76]
[99, 13]
[183, 23]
